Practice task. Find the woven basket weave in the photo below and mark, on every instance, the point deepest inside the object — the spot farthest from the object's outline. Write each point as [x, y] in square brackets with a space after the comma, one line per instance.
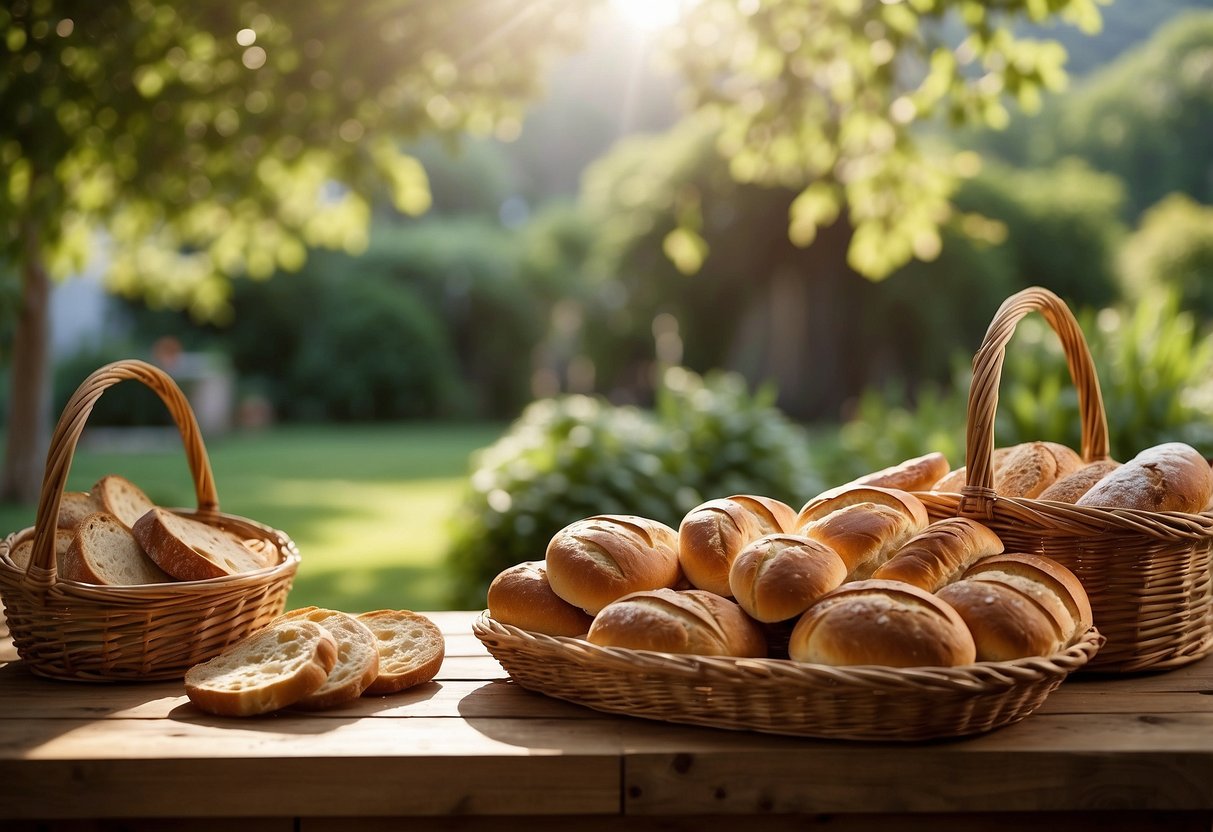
[1147, 573]
[778, 696]
[85, 632]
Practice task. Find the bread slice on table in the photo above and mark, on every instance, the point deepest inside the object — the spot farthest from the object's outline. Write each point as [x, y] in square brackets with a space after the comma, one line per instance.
[191, 550]
[274, 667]
[103, 551]
[411, 649]
[74, 506]
[121, 498]
[357, 658]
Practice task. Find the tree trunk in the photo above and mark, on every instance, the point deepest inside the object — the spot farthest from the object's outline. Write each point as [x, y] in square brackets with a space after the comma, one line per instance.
[29, 395]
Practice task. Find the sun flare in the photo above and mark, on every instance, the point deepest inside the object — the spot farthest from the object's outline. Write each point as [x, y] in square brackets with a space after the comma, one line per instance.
[649, 15]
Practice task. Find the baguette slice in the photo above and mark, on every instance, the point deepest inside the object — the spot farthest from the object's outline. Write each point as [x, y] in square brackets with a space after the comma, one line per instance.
[272, 668]
[103, 551]
[23, 552]
[121, 498]
[74, 506]
[357, 658]
[411, 649]
[191, 550]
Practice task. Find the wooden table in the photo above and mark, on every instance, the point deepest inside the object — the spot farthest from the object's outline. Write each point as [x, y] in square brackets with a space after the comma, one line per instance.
[473, 751]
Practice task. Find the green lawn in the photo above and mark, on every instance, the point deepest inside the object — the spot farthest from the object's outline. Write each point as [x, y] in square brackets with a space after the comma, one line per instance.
[369, 507]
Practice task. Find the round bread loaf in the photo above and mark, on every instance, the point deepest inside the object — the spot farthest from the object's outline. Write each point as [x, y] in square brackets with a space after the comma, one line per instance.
[940, 553]
[1031, 467]
[865, 534]
[886, 623]
[679, 621]
[1072, 486]
[836, 499]
[593, 561]
[522, 597]
[917, 474]
[1053, 587]
[1168, 477]
[711, 535]
[1005, 623]
[779, 576]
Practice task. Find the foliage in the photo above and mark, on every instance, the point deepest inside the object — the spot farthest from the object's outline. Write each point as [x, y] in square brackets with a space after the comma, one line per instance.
[1173, 247]
[576, 456]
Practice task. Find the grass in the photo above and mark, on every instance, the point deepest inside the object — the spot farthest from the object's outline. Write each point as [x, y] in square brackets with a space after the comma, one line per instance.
[368, 506]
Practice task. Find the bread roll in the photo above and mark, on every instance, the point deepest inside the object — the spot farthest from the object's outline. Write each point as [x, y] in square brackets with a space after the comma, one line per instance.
[835, 499]
[1168, 477]
[593, 561]
[779, 576]
[1072, 486]
[712, 534]
[957, 479]
[671, 621]
[1005, 623]
[1053, 587]
[865, 533]
[940, 553]
[1023, 470]
[522, 597]
[917, 474]
[885, 623]
[411, 649]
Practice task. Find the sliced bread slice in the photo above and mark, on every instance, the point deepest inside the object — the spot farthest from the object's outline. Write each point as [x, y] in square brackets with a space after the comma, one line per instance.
[191, 550]
[270, 669]
[357, 658]
[23, 552]
[411, 649]
[103, 551]
[121, 498]
[74, 506]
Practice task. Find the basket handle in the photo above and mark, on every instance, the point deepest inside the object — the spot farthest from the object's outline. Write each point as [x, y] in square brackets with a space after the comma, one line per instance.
[977, 498]
[71, 426]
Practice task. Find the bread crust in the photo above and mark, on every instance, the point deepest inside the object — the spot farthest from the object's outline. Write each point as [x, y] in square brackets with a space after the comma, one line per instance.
[191, 550]
[411, 649]
[1004, 623]
[916, 474]
[522, 597]
[886, 623]
[940, 553]
[779, 576]
[1168, 477]
[1069, 488]
[104, 552]
[825, 504]
[691, 621]
[594, 561]
[1054, 587]
[357, 664]
[712, 533]
[865, 534]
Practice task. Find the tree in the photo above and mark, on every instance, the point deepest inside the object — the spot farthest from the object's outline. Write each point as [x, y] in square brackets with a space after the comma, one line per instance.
[211, 138]
[1173, 251]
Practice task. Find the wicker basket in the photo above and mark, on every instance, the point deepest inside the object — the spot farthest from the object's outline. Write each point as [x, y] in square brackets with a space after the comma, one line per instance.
[84, 632]
[778, 696]
[1147, 573]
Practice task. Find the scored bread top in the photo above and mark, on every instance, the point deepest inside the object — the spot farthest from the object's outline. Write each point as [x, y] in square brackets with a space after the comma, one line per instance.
[711, 534]
[916, 474]
[357, 658]
[822, 506]
[411, 649]
[103, 551]
[521, 596]
[121, 498]
[272, 668]
[691, 621]
[191, 550]
[779, 576]
[940, 553]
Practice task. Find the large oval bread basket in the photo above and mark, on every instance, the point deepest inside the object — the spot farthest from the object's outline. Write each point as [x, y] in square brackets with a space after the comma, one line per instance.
[779, 696]
[1147, 573]
[85, 632]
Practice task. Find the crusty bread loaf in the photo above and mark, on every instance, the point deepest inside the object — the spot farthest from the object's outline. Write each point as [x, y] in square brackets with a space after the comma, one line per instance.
[357, 663]
[711, 535]
[1072, 486]
[23, 552]
[1053, 587]
[885, 623]
[1168, 477]
[103, 551]
[191, 550]
[593, 561]
[1022, 470]
[74, 506]
[272, 668]
[865, 534]
[940, 553]
[958, 478]
[779, 576]
[522, 597]
[411, 649]
[1005, 623]
[678, 621]
[836, 499]
[917, 474]
[121, 498]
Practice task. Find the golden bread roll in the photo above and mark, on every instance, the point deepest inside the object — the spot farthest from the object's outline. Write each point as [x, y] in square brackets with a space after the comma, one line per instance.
[885, 623]
[1032, 467]
[1072, 486]
[940, 553]
[779, 576]
[1005, 623]
[865, 533]
[957, 478]
[1168, 477]
[917, 474]
[672, 621]
[522, 597]
[1053, 587]
[592, 562]
[711, 535]
[835, 499]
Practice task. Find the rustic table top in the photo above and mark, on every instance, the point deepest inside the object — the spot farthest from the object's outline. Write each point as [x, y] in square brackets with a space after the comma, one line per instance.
[1130, 750]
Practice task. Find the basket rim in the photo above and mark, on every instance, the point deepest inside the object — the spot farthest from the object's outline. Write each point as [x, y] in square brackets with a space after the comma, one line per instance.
[971, 678]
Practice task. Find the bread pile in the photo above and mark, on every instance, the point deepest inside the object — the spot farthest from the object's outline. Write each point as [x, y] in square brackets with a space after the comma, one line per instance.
[315, 659]
[114, 535]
